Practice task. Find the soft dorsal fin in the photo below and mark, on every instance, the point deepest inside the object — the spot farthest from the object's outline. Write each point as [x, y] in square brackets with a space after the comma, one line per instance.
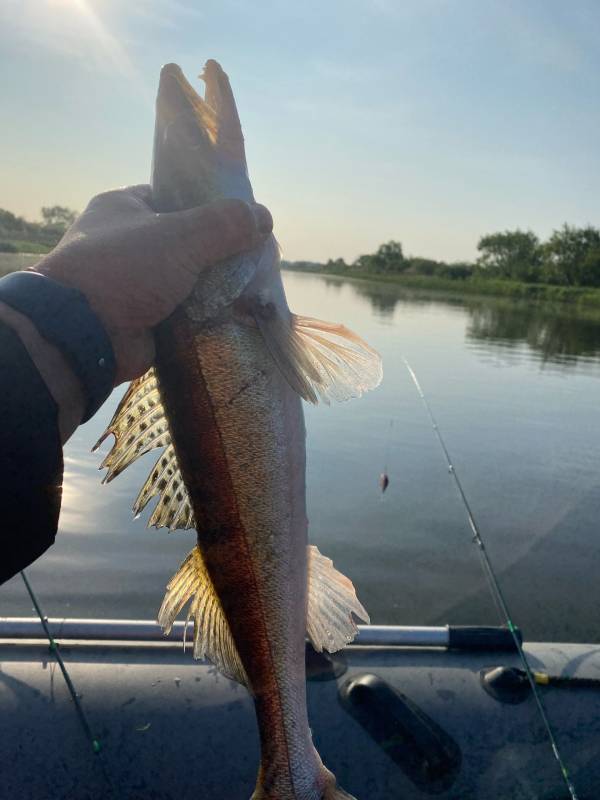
[319, 359]
[332, 601]
[212, 636]
[139, 425]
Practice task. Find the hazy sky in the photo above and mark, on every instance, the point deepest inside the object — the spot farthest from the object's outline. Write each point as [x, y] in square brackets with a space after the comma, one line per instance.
[428, 121]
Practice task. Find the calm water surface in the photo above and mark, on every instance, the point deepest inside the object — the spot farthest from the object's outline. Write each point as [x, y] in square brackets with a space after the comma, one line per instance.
[516, 391]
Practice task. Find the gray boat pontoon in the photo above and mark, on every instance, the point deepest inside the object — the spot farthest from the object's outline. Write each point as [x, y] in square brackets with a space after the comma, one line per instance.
[402, 713]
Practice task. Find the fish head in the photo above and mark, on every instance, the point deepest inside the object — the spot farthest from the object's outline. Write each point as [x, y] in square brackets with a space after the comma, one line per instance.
[199, 151]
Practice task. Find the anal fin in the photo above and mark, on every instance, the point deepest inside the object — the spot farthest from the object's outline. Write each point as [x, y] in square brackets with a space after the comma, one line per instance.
[332, 601]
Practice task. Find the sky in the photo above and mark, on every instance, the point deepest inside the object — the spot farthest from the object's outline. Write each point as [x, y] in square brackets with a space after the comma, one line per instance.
[431, 122]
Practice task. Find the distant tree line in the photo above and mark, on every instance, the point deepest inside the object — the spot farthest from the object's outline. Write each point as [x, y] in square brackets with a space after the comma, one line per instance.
[570, 257]
[19, 235]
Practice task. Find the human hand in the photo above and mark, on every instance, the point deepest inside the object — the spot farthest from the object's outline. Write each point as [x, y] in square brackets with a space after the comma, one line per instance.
[136, 266]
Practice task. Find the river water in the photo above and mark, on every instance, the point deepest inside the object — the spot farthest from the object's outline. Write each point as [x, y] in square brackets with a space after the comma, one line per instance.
[516, 392]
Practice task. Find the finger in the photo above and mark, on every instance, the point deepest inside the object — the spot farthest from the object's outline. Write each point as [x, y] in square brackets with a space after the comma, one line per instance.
[125, 197]
[214, 232]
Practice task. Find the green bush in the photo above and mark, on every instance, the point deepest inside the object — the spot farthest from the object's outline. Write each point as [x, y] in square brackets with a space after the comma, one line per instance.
[456, 272]
[423, 266]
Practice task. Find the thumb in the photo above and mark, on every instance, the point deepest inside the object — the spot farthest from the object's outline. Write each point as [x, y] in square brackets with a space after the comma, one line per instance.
[202, 236]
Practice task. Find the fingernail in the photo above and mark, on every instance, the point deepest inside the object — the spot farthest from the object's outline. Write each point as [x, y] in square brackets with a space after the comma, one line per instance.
[264, 220]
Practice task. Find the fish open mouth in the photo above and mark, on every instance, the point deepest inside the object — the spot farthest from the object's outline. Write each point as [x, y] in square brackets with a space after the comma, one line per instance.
[215, 114]
[198, 144]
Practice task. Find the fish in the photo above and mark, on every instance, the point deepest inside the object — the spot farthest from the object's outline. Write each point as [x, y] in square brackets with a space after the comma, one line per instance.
[223, 401]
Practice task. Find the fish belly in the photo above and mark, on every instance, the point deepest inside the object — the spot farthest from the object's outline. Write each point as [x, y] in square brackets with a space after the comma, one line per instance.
[238, 431]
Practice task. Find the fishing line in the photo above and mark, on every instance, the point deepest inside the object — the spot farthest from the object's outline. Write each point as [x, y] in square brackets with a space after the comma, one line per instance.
[95, 743]
[388, 447]
[496, 590]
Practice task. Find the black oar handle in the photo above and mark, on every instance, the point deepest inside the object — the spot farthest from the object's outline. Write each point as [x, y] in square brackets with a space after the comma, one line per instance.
[481, 637]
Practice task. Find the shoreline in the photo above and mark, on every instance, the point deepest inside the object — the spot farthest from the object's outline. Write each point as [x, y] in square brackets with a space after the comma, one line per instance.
[578, 298]
[575, 297]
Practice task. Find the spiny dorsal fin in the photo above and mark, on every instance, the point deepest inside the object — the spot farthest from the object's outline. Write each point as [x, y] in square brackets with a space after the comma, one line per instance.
[212, 636]
[139, 425]
[331, 602]
[173, 509]
[319, 359]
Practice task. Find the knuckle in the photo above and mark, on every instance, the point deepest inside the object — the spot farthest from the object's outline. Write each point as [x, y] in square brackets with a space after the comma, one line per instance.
[107, 195]
[105, 199]
[120, 196]
[238, 218]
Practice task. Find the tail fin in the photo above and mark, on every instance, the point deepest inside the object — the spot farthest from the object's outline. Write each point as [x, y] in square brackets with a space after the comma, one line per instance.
[335, 793]
[330, 789]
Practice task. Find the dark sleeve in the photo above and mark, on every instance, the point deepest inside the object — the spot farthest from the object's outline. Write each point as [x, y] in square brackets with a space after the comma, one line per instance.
[31, 461]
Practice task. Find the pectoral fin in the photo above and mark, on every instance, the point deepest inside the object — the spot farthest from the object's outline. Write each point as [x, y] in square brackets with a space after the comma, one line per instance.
[319, 359]
[332, 601]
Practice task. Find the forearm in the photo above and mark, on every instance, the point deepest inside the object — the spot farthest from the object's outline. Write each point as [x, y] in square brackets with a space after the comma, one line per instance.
[31, 463]
[54, 370]
[47, 390]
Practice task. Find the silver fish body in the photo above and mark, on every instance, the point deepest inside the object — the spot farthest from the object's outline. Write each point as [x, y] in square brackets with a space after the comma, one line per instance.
[224, 400]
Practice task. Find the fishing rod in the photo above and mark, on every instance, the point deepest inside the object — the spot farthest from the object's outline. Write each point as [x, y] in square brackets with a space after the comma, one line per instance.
[59, 659]
[495, 587]
[94, 742]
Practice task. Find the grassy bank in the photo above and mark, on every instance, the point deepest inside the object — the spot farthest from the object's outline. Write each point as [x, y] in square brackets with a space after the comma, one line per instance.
[9, 262]
[20, 246]
[576, 296]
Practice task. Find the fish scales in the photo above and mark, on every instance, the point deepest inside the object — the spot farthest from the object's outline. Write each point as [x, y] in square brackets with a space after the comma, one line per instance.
[239, 436]
[232, 365]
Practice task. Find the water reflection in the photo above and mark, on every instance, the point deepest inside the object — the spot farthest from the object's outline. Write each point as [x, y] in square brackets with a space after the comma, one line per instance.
[332, 283]
[555, 335]
[383, 298]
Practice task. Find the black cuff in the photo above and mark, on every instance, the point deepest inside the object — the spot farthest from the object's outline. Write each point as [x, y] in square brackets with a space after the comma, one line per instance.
[31, 463]
[63, 316]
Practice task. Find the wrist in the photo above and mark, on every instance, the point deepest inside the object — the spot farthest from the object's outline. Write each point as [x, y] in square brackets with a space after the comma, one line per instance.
[133, 348]
[65, 320]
